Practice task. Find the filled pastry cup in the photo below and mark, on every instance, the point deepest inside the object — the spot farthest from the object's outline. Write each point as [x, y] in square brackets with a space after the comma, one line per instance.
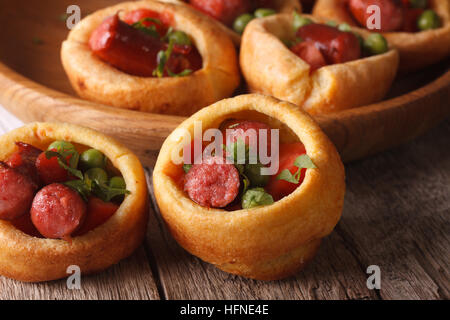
[270, 67]
[33, 259]
[281, 6]
[267, 242]
[98, 81]
[417, 49]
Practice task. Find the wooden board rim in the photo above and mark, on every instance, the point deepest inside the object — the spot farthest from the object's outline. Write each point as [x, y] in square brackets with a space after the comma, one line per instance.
[31, 101]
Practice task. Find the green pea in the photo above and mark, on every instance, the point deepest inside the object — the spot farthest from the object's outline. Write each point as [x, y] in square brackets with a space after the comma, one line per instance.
[117, 183]
[253, 173]
[241, 22]
[61, 146]
[97, 174]
[92, 158]
[345, 27]
[419, 4]
[264, 12]
[375, 44]
[256, 197]
[300, 21]
[180, 37]
[331, 23]
[428, 20]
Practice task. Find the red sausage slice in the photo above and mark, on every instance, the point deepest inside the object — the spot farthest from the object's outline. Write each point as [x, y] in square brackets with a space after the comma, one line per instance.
[391, 13]
[225, 11]
[212, 183]
[24, 161]
[335, 45]
[57, 211]
[309, 53]
[126, 48]
[16, 193]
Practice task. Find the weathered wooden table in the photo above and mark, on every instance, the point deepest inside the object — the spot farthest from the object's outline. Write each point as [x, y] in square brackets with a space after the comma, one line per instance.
[396, 216]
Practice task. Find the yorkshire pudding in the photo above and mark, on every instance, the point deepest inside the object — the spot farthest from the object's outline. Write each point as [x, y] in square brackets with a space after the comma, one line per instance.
[269, 67]
[27, 258]
[268, 242]
[417, 49]
[100, 82]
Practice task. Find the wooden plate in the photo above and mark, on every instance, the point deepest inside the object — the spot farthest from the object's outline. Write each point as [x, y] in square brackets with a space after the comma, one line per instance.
[34, 87]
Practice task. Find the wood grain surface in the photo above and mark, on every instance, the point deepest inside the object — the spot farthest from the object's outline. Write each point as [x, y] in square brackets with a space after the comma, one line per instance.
[396, 216]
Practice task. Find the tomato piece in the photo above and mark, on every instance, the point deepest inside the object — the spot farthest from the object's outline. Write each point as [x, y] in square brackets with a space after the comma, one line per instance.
[225, 11]
[25, 225]
[288, 153]
[50, 171]
[309, 53]
[98, 212]
[139, 14]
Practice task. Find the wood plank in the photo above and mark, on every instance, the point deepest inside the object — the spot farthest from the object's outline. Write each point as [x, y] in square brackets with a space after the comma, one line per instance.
[129, 280]
[334, 274]
[396, 216]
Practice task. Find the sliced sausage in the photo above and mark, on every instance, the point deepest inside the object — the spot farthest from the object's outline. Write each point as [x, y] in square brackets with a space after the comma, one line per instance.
[213, 183]
[225, 11]
[335, 45]
[57, 211]
[125, 47]
[410, 21]
[16, 193]
[309, 53]
[391, 13]
[24, 161]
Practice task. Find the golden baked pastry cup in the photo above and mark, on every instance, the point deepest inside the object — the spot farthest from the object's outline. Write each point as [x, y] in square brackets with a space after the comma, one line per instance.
[31, 259]
[269, 67]
[100, 82]
[282, 6]
[266, 243]
[418, 49]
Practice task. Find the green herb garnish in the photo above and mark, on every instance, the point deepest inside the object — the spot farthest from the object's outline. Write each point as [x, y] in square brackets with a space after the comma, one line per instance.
[163, 57]
[301, 162]
[183, 73]
[256, 197]
[150, 30]
[187, 167]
